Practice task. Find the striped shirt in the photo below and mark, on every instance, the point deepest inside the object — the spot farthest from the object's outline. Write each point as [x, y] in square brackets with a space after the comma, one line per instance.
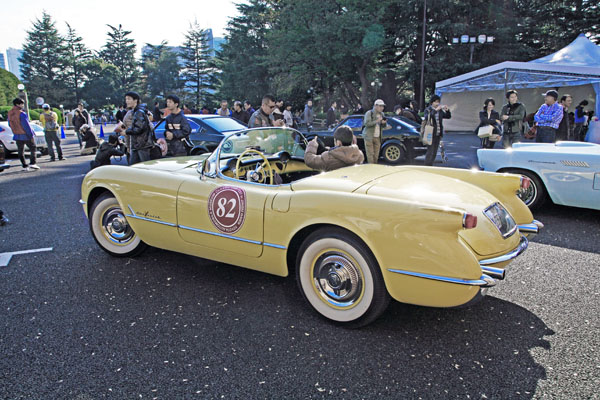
[549, 115]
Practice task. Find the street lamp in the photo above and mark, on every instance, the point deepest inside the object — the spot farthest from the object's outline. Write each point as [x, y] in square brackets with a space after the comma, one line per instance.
[471, 40]
[23, 96]
[62, 112]
[376, 84]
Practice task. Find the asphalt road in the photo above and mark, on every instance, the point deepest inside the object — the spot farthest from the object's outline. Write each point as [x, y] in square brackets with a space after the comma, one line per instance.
[78, 324]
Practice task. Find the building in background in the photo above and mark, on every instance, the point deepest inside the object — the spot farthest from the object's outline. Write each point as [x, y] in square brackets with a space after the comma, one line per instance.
[2, 63]
[14, 65]
[214, 43]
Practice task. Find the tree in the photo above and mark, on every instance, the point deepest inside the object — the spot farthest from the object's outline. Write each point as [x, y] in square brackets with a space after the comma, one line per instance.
[102, 86]
[8, 87]
[161, 71]
[75, 58]
[119, 51]
[197, 65]
[43, 61]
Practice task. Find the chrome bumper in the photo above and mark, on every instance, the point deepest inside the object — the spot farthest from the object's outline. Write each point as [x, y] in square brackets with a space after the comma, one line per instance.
[531, 229]
[489, 273]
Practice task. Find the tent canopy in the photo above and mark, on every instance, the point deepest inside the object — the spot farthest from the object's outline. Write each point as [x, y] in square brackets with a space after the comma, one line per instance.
[575, 65]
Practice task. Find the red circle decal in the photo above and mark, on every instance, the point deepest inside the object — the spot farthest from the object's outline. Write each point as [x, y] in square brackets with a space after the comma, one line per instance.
[227, 208]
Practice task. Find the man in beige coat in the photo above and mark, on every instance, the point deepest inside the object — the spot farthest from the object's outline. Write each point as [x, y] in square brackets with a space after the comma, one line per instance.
[375, 123]
[344, 154]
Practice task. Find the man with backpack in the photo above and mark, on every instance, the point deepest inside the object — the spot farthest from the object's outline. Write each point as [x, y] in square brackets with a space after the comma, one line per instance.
[49, 119]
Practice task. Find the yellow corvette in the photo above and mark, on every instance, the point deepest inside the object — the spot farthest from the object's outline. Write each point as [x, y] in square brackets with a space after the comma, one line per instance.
[355, 237]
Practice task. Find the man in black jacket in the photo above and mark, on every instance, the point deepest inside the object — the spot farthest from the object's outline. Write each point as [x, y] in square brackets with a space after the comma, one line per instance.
[331, 117]
[239, 113]
[177, 128]
[80, 117]
[139, 131]
[564, 128]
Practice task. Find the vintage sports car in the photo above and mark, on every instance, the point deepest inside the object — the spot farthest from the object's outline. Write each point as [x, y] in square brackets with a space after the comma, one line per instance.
[567, 172]
[355, 237]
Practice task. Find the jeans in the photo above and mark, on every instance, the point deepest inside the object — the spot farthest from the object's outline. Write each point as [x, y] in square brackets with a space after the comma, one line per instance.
[545, 134]
[432, 150]
[21, 148]
[78, 137]
[52, 139]
[372, 148]
[139, 156]
[509, 138]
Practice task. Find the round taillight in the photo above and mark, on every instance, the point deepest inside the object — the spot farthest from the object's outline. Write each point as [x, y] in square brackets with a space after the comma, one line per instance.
[469, 221]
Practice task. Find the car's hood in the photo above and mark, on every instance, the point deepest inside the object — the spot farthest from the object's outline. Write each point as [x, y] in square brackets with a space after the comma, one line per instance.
[172, 164]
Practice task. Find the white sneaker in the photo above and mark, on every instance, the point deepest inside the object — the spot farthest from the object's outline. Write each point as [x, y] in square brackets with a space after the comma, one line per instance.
[33, 167]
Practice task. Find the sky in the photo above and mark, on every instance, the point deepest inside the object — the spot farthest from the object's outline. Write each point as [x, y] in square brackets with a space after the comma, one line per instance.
[150, 23]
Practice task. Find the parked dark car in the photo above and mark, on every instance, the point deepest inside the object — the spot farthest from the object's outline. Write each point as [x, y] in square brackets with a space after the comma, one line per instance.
[207, 131]
[401, 143]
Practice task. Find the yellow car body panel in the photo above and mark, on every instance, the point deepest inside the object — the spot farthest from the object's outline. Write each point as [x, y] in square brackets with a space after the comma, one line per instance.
[411, 219]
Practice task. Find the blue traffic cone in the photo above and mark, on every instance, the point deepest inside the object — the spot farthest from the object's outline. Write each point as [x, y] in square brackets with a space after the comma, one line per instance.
[101, 131]
[62, 132]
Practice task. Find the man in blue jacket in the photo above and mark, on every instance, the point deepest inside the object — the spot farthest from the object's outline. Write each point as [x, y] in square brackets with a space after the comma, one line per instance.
[23, 134]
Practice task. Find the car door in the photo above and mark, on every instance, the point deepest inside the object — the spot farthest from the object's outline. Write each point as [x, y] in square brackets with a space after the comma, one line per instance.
[223, 214]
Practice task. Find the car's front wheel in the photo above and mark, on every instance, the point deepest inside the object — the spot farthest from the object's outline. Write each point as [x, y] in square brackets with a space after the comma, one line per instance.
[340, 278]
[394, 153]
[111, 230]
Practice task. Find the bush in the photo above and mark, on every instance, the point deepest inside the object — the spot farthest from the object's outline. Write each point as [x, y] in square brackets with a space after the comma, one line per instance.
[8, 88]
[33, 114]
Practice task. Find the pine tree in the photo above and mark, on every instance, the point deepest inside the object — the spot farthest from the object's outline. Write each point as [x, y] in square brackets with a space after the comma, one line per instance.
[161, 68]
[197, 66]
[76, 57]
[119, 51]
[43, 61]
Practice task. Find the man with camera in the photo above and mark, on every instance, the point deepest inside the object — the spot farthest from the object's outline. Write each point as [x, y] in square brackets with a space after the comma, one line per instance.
[374, 124]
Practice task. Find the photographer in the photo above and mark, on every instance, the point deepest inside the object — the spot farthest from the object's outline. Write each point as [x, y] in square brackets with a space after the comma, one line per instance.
[106, 151]
[512, 116]
[374, 124]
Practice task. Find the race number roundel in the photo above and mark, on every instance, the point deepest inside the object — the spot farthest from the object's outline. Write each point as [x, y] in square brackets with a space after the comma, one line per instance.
[227, 208]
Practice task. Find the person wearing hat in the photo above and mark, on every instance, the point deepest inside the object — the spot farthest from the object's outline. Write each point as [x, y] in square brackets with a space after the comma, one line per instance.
[434, 115]
[374, 123]
[548, 118]
[49, 120]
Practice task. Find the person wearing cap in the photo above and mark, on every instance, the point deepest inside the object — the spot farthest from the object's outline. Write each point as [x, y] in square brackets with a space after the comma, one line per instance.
[49, 119]
[435, 115]
[344, 154]
[374, 123]
[548, 118]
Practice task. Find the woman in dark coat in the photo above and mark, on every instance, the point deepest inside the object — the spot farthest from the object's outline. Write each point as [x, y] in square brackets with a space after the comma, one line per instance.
[488, 116]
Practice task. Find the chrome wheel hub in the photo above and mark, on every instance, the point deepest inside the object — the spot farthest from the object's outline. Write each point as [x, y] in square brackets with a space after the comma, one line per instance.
[528, 195]
[116, 227]
[337, 279]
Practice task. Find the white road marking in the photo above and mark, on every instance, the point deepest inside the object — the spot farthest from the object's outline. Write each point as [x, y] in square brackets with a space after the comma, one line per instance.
[5, 257]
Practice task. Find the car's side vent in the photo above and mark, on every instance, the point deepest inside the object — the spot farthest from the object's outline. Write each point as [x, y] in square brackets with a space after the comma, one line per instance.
[581, 164]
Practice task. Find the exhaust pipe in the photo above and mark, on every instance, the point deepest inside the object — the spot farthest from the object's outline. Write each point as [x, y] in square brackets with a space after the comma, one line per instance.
[496, 273]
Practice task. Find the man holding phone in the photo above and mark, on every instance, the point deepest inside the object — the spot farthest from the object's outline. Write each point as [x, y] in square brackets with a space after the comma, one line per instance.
[374, 124]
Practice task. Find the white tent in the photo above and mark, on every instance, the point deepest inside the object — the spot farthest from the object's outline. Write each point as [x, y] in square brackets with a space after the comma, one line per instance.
[574, 70]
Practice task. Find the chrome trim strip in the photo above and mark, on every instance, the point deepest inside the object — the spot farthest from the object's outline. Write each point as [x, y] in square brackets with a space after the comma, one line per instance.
[277, 246]
[220, 235]
[484, 280]
[508, 256]
[81, 201]
[132, 215]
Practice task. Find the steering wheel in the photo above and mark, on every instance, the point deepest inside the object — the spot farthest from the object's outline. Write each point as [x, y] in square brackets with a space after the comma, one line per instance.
[266, 166]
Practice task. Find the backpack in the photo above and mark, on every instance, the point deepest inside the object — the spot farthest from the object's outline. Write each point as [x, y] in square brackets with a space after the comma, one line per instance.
[49, 123]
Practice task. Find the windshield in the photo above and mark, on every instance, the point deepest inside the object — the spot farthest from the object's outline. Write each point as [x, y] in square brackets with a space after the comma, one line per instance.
[223, 124]
[266, 140]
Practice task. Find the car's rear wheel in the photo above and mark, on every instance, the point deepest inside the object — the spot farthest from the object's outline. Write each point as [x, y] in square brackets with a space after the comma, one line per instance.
[111, 230]
[535, 195]
[393, 153]
[340, 278]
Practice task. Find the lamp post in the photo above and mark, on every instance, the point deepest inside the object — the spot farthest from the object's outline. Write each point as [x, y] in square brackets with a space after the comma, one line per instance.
[376, 84]
[23, 96]
[422, 87]
[471, 40]
[62, 112]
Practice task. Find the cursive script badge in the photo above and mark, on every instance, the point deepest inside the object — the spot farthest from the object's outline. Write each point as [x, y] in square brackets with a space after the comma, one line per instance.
[227, 208]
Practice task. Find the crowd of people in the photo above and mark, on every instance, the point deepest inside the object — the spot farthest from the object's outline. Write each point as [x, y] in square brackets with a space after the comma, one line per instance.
[550, 123]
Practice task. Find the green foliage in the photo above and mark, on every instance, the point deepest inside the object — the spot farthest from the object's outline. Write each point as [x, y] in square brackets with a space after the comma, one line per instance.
[102, 86]
[75, 57]
[119, 51]
[8, 87]
[161, 71]
[197, 65]
[43, 61]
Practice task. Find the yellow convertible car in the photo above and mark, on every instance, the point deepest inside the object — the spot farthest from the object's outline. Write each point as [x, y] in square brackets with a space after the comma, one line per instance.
[355, 236]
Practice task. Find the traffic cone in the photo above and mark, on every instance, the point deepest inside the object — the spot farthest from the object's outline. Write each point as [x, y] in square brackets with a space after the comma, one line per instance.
[101, 131]
[62, 132]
